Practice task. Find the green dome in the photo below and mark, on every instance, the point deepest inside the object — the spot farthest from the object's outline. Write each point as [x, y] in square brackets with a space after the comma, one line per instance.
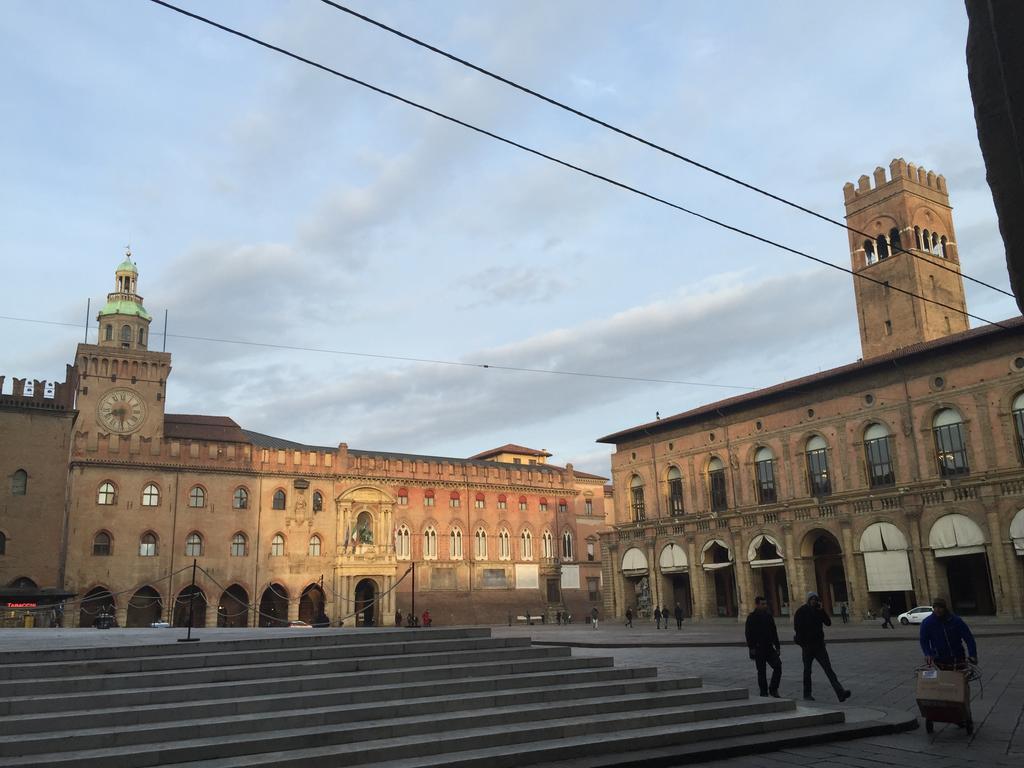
[127, 266]
[123, 307]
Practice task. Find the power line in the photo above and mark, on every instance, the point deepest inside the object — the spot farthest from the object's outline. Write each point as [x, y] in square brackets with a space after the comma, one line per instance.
[564, 163]
[407, 359]
[641, 140]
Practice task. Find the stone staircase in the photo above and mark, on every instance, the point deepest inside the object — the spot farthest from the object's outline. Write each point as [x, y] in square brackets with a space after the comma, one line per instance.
[405, 697]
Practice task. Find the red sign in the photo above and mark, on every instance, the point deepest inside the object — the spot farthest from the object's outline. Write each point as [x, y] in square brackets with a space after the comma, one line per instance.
[21, 605]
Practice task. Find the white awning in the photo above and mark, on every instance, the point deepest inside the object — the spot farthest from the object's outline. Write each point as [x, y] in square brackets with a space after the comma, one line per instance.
[954, 535]
[755, 561]
[634, 563]
[888, 571]
[1017, 532]
[673, 559]
[709, 566]
[883, 537]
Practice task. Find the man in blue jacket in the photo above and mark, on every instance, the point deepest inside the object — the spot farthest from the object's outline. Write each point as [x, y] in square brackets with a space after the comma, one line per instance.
[943, 636]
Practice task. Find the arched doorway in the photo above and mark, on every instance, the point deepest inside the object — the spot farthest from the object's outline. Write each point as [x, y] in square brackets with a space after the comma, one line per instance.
[366, 608]
[274, 607]
[638, 587]
[24, 582]
[233, 608]
[190, 598]
[829, 574]
[97, 600]
[144, 608]
[717, 562]
[675, 571]
[958, 544]
[765, 556]
[311, 606]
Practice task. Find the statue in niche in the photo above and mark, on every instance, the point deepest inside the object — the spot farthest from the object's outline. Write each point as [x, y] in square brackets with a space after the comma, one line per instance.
[364, 529]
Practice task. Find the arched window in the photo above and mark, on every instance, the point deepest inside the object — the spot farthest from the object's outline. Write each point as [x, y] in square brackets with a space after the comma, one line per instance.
[277, 545]
[950, 448]
[878, 453]
[151, 495]
[197, 497]
[504, 545]
[101, 544]
[675, 492]
[147, 545]
[314, 546]
[525, 546]
[1018, 424]
[240, 500]
[764, 472]
[19, 483]
[126, 334]
[453, 500]
[935, 243]
[430, 544]
[818, 478]
[883, 247]
[567, 546]
[279, 499]
[107, 493]
[716, 485]
[318, 501]
[636, 498]
[522, 504]
[943, 251]
[869, 252]
[108, 332]
[455, 544]
[239, 545]
[403, 544]
[926, 238]
[142, 336]
[481, 544]
[894, 240]
[917, 237]
[547, 545]
[193, 545]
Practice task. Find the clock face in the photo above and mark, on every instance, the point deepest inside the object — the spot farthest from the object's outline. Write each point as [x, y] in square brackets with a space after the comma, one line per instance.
[121, 411]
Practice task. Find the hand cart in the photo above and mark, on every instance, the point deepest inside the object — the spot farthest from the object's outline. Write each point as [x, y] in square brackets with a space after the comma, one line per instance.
[944, 694]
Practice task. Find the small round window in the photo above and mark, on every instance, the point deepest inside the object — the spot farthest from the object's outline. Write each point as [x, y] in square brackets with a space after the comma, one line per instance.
[1018, 363]
[938, 382]
[869, 399]
[810, 413]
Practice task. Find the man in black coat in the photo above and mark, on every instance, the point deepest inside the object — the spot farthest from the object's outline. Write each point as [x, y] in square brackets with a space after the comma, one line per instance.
[809, 623]
[763, 642]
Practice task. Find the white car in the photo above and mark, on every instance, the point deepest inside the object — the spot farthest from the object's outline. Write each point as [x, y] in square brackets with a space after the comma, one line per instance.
[160, 625]
[916, 615]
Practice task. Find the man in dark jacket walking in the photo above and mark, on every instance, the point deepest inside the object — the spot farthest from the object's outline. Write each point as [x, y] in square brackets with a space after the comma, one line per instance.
[763, 642]
[887, 615]
[808, 624]
[943, 636]
[679, 616]
[657, 617]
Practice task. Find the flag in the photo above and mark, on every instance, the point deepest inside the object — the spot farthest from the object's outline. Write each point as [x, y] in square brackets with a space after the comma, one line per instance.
[345, 539]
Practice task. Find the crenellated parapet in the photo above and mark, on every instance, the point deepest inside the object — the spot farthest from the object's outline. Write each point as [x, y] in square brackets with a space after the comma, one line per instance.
[40, 394]
[899, 170]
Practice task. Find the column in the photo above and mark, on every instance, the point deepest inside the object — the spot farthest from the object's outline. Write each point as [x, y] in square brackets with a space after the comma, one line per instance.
[696, 579]
[859, 598]
[293, 610]
[1002, 582]
[652, 575]
[121, 610]
[612, 577]
[743, 580]
[924, 584]
[794, 577]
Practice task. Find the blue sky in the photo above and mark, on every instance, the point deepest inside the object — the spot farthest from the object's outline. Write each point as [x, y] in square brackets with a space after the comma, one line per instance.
[267, 201]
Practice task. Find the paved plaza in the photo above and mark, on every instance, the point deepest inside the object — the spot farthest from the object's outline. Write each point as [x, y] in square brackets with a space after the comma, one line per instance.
[877, 665]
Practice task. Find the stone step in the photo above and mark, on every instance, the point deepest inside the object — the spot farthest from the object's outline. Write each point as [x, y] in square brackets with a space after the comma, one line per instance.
[276, 686]
[217, 657]
[544, 686]
[365, 742]
[411, 716]
[203, 676]
[277, 638]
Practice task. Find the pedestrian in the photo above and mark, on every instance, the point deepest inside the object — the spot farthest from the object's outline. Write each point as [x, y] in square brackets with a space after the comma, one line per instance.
[664, 615]
[763, 644]
[657, 616]
[593, 617]
[629, 617]
[844, 612]
[679, 616]
[398, 617]
[558, 617]
[809, 623]
[943, 636]
[426, 618]
[887, 616]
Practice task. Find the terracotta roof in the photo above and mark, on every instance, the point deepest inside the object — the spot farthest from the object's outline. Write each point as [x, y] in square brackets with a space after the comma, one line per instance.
[511, 448]
[973, 336]
[221, 429]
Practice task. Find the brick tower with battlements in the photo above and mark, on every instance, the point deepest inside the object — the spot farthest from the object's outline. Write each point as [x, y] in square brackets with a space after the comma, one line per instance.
[901, 234]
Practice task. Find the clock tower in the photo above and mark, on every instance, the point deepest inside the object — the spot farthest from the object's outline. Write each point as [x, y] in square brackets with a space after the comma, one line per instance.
[122, 384]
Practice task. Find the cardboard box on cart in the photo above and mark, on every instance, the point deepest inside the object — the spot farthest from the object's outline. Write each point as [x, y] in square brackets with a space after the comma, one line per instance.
[942, 686]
